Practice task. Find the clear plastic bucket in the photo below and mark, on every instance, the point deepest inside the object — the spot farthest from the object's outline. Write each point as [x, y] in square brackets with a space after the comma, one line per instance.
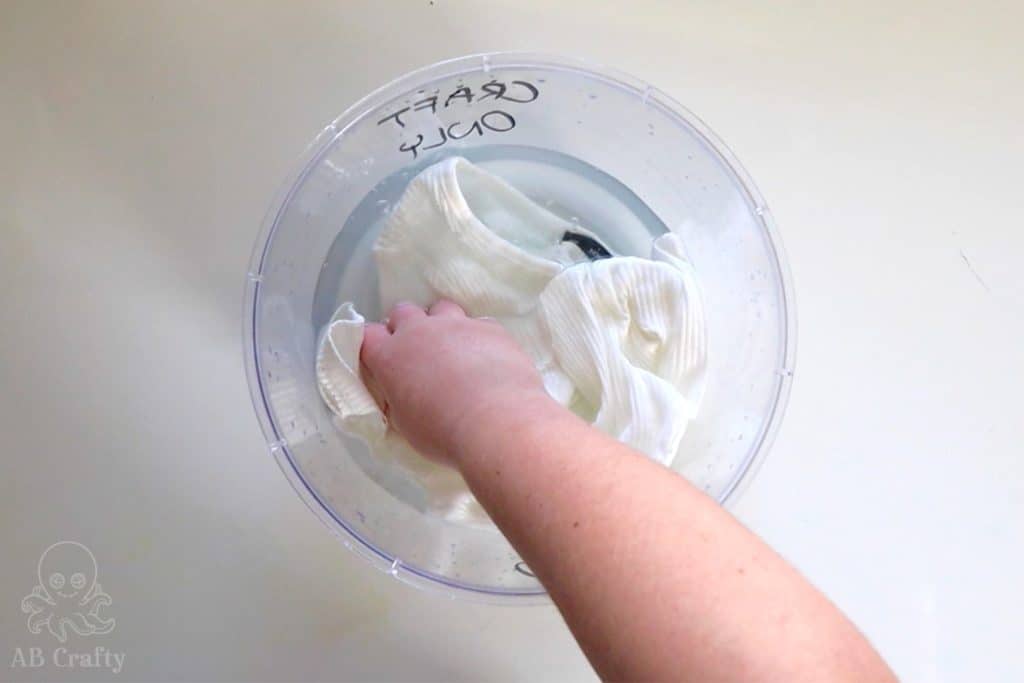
[617, 154]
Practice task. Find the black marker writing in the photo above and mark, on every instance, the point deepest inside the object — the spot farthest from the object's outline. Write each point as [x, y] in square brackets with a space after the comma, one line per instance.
[444, 138]
[426, 103]
[397, 116]
[497, 116]
[473, 128]
[524, 570]
[406, 147]
[495, 120]
[463, 93]
[498, 91]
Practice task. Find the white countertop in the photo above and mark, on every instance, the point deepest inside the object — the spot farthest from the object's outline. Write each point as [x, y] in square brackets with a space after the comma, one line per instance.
[140, 144]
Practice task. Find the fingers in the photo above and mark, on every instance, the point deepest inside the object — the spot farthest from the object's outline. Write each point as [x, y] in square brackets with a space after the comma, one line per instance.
[403, 313]
[373, 386]
[374, 336]
[443, 307]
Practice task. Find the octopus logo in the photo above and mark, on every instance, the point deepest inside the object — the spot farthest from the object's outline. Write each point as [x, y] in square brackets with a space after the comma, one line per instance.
[68, 595]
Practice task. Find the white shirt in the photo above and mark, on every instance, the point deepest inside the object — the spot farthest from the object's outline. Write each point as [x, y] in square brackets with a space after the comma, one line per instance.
[620, 340]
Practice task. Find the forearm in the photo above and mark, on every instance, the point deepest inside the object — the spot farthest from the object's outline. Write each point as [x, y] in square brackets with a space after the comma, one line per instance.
[655, 580]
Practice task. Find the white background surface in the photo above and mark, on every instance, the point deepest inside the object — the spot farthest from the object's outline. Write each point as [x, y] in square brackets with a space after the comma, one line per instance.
[140, 144]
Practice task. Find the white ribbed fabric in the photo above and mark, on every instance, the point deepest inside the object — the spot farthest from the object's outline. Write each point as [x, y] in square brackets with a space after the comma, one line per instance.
[356, 413]
[620, 341]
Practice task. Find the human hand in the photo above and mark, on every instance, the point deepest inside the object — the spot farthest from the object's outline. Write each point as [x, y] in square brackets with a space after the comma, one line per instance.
[437, 374]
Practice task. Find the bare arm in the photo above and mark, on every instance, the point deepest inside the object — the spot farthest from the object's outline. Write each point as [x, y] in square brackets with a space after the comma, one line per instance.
[655, 580]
